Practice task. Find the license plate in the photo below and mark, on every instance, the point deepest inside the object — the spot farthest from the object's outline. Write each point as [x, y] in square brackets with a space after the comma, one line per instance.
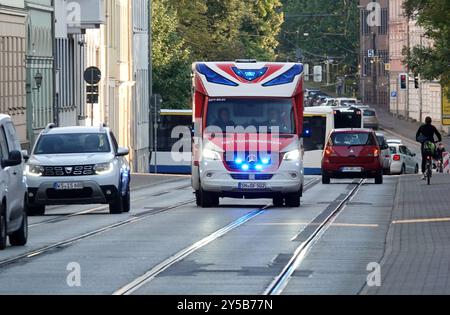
[68, 185]
[252, 185]
[351, 169]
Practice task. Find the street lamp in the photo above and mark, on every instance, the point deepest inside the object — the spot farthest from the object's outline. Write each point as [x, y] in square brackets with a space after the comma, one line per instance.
[38, 80]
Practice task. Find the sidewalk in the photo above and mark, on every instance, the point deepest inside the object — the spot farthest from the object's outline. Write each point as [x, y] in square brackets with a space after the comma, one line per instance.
[417, 252]
[403, 127]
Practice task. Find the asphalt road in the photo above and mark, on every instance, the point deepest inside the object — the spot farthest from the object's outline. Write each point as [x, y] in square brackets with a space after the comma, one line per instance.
[237, 248]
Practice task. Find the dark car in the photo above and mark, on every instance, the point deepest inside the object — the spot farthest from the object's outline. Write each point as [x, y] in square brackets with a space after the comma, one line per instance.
[352, 153]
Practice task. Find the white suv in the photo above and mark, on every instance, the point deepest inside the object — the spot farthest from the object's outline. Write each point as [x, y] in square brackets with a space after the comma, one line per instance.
[78, 165]
[13, 216]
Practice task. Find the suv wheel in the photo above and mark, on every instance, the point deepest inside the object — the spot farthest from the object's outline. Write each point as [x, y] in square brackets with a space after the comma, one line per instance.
[35, 210]
[126, 202]
[292, 200]
[325, 179]
[20, 237]
[379, 179]
[3, 233]
[278, 201]
[208, 199]
[116, 207]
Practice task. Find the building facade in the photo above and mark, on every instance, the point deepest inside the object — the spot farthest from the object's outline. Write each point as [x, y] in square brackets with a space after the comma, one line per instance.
[418, 100]
[374, 55]
[12, 64]
[120, 49]
[39, 65]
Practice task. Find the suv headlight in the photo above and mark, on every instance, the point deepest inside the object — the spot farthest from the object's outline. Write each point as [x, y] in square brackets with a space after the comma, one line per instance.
[211, 155]
[292, 155]
[34, 170]
[103, 168]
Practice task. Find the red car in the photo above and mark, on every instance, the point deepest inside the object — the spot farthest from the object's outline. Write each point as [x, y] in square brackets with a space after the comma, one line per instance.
[352, 153]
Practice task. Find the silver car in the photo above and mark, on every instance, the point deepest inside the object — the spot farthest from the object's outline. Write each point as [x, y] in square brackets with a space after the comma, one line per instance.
[370, 118]
[403, 161]
[385, 152]
[13, 216]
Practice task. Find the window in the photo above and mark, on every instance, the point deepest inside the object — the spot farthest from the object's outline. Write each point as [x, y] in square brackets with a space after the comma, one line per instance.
[165, 128]
[73, 143]
[316, 126]
[403, 150]
[10, 132]
[352, 139]
[114, 141]
[257, 113]
[4, 152]
[393, 150]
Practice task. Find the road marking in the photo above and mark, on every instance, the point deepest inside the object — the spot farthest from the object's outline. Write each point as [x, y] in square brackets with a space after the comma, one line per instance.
[317, 224]
[410, 221]
[279, 283]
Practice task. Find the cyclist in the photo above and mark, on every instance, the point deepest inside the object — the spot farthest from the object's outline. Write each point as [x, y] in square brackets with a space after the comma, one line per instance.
[425, 135]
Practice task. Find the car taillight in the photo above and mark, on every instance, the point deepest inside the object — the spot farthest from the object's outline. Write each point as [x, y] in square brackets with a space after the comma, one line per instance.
[376, 153]
[396, 157]
[328, 152]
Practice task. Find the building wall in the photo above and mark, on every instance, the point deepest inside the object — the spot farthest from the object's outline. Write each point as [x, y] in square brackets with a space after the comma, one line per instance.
[140, 114]
[374, 83]
[119, 49]
[414, 103]
[12, 64]
[39, 59]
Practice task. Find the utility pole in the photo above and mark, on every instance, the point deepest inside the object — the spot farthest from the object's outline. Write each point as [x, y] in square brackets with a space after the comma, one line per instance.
[408, 44]
[375, 68]
[420, 88]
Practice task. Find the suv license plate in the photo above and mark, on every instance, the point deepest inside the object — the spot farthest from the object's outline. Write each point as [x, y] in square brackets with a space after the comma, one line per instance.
[351, 169]
[252, 185]
[68, 185]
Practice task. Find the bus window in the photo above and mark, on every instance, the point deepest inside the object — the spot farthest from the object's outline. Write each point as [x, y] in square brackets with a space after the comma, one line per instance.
[317, 126]
[347, 119]
[165, 127]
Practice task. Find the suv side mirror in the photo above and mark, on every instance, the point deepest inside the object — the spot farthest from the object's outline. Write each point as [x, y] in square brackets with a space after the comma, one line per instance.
[14, 158]
[122, 152]
[25, 155]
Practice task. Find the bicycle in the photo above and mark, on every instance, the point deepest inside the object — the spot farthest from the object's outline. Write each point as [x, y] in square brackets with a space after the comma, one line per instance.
[429, 148]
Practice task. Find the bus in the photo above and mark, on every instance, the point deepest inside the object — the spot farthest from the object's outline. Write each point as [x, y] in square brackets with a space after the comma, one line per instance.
[317, 124]
[248, 120]
[173, 126]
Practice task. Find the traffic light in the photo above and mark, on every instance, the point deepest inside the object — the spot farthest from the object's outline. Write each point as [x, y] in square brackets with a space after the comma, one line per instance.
[403, 78]
[416, 82]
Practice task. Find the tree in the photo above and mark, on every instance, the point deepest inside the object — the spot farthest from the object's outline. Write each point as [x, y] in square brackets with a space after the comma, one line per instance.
[171, 60]
[431, 62]
[261, 25]
[332, 29]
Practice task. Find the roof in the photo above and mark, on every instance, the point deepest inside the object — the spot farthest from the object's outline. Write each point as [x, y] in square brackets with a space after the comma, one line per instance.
[4, 116]
[347, 130]
[318, 110]
[75, 129]
[248, 79]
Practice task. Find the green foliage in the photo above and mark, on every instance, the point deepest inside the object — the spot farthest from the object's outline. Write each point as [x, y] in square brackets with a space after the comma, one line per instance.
[431, 62]
[171, 60]
[332, 28]
[185, 31]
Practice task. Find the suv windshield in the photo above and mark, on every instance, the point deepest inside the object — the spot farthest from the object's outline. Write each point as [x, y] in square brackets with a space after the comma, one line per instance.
[352, 139]
[73, 143]
[253, 113]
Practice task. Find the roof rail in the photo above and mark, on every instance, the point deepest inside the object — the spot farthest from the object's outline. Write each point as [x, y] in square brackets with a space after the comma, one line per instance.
[49, 127]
